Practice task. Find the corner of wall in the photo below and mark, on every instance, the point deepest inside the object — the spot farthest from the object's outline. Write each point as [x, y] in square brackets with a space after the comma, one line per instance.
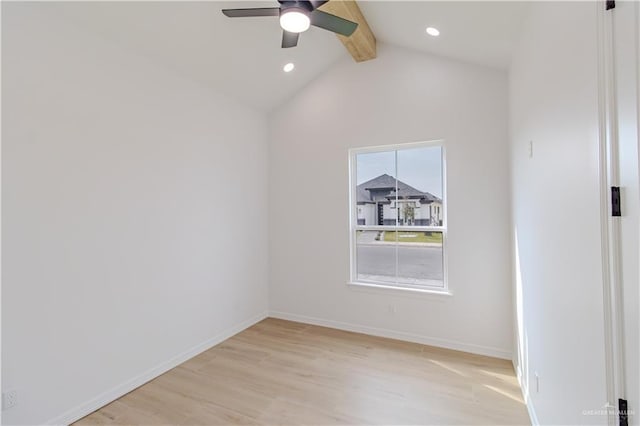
[122, 389]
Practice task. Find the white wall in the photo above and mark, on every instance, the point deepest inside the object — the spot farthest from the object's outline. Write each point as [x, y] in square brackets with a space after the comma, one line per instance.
[127, 238]
[401, 96]
[556, 216]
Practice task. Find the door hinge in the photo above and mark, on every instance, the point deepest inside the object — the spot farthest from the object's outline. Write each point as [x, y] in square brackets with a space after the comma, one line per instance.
[622, 412]
[610, 4]
[616, 209]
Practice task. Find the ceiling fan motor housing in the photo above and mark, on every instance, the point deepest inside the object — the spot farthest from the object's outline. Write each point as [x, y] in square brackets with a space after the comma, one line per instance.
[301, 6]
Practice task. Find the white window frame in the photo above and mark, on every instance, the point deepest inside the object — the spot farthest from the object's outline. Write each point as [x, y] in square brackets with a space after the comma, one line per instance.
[354, 227]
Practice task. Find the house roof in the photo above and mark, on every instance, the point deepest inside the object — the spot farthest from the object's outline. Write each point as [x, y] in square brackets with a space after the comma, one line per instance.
[381, 182]
[363, 195]
[386, 181]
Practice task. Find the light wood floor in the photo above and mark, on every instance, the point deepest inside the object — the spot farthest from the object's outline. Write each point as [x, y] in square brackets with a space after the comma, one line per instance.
[287, 373]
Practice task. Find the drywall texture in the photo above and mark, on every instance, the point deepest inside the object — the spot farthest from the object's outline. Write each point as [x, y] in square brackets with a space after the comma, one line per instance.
[402, 96]
[134, 215]
[556, 214]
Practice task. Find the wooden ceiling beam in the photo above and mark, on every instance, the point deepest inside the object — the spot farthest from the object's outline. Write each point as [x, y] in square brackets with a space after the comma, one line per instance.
[362, 43]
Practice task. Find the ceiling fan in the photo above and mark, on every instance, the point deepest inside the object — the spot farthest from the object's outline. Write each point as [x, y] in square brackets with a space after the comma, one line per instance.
[296, 16]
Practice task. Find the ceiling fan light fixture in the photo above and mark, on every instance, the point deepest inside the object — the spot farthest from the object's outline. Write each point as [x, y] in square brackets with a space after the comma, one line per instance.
[294, 20]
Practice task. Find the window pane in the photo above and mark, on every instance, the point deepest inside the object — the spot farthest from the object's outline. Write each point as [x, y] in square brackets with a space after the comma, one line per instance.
[419, 187]
[420, 258]
[398, 189]
[376, 258]
[376, 185]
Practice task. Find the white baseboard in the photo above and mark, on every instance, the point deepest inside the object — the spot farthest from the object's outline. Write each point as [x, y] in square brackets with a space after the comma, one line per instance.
[399, 335]
[525, 395]
[111, 395]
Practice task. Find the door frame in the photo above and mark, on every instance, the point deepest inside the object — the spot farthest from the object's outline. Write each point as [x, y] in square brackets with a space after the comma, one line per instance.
[609, 225]
[609, 174]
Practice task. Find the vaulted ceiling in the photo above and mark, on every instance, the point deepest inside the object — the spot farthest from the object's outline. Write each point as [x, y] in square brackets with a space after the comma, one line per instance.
[481, 32]
[243, 58]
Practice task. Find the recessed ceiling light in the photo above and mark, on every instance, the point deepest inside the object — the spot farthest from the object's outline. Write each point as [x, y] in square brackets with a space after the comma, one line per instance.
[288, 67]
[433, 31]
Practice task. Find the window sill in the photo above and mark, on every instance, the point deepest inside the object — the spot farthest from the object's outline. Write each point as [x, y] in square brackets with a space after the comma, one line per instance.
[368, 287]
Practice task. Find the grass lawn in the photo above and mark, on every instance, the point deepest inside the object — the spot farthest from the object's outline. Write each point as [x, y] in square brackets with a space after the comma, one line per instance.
[414, 237]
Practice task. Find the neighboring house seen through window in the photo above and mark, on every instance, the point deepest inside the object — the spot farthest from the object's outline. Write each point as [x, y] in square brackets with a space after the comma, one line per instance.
[398, 228]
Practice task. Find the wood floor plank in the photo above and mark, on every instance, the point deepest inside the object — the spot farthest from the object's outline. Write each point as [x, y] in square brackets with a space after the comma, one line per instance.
[288, 373]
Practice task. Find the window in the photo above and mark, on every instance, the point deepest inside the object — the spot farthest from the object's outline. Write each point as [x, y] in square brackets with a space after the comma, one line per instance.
[398, 225]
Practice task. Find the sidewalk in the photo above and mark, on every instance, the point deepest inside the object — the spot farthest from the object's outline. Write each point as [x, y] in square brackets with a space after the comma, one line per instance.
[399, 243]
[369, 239]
